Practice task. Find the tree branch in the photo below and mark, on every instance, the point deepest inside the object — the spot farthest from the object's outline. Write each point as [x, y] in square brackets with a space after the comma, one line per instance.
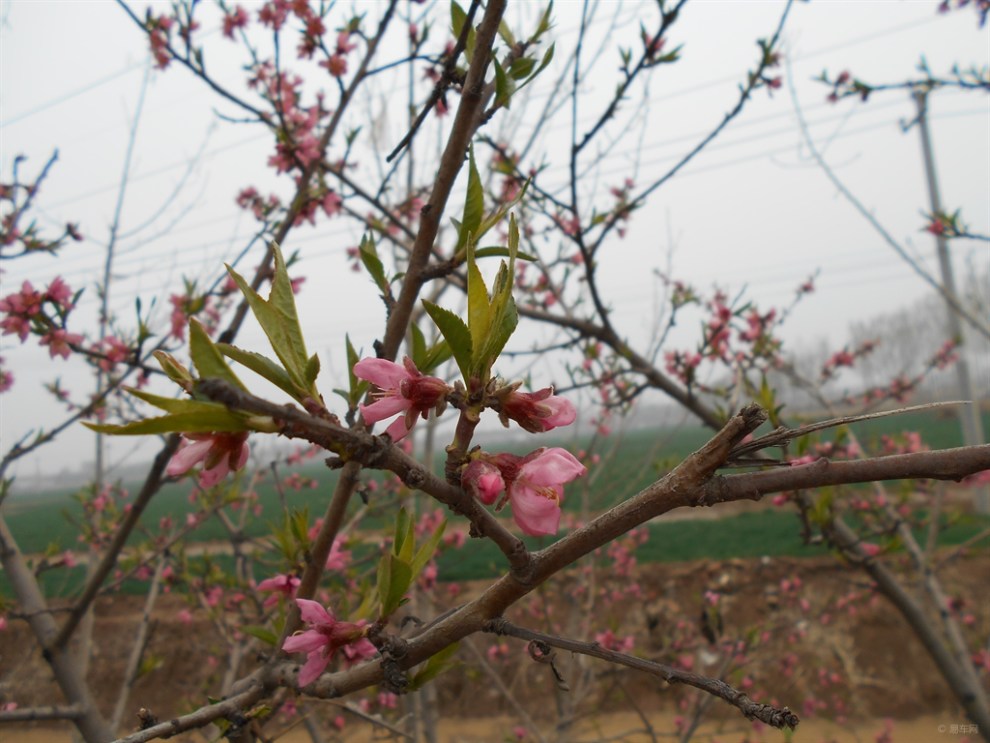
[765, 713]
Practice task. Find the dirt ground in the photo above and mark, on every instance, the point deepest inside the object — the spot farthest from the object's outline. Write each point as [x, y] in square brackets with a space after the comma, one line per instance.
[613, 727]
[878, 671]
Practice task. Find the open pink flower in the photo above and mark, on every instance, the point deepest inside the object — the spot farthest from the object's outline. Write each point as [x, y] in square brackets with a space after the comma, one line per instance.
[219, 452]
[536, 411]
[60, 342]
[533, 485]
[323, 638]
[404, 389]
[280, 585]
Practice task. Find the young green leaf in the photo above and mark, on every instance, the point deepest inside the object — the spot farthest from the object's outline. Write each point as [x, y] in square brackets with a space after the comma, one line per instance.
[262, 633]
[437, 664]
[521, 67]
[262, 366]
[207, 358]
[394, 579]
[479, 307]
[438, 353]
[427, 550]
[506, 33]
[455, 332]
[277, 317]
[474, 206]
[457, 18]
[418, 346]
[372, 263]
[218, 418]
[403, 538]
[498, 250]
[175, 371]
[503, 86]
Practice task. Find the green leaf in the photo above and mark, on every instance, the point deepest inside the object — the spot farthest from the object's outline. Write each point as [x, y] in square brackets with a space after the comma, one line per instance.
[262, 633]
[418, 346]
[262, 366]
[277, 317]
[479, 308]
[503, 86]
[437, 664]
[506, 33]
[503, 316]
[175, 371]
[172, 404]
[457, 18]
[544, 24]
[498, 250]
[521, 67]
[357, 386]
[474, 206]
[204, 421]
[283, 299]
[403, 539]
[455, 332]
[394, 579]
[372, 263]
[499, 214]
[437, 354]
[427, 550]
[207, 358]
[312, 370]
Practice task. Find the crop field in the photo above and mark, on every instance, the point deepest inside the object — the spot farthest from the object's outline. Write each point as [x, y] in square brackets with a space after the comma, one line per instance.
[630, 461]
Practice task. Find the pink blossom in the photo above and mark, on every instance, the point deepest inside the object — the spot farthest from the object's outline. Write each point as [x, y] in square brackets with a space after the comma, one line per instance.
[871, 549]
[279, 586]
[344, 43]
[336, 65]
[6, 379]
[404, 389]
[60, 342]
[323, 638]
[219, 453]
[60, 293]
[483, 480]
[536, 411]
[237, 18]
[338, 559]
[331, 203]
[534, 486]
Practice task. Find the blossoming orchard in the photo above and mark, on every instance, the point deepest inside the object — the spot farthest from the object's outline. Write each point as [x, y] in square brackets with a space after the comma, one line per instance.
[345, 539]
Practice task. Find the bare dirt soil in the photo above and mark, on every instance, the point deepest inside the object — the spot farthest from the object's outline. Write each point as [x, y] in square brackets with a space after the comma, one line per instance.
[843, 670]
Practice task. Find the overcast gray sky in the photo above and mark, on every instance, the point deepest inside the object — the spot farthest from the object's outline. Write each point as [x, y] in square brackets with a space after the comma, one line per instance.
[752, 211]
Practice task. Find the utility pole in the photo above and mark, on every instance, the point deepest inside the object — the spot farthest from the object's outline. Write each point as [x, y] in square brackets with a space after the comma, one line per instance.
[969, 415]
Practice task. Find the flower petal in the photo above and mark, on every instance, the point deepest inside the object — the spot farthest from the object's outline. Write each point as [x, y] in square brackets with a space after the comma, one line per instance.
[188, 456]
[312, 612]
[384, 408]
[398, 429]
[304, 642]
[386, 374]
[316, 663]
[551, 467]
[562, 412]
[537, 512]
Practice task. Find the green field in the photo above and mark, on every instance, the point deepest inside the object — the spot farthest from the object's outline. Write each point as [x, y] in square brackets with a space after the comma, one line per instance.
[629, 463]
